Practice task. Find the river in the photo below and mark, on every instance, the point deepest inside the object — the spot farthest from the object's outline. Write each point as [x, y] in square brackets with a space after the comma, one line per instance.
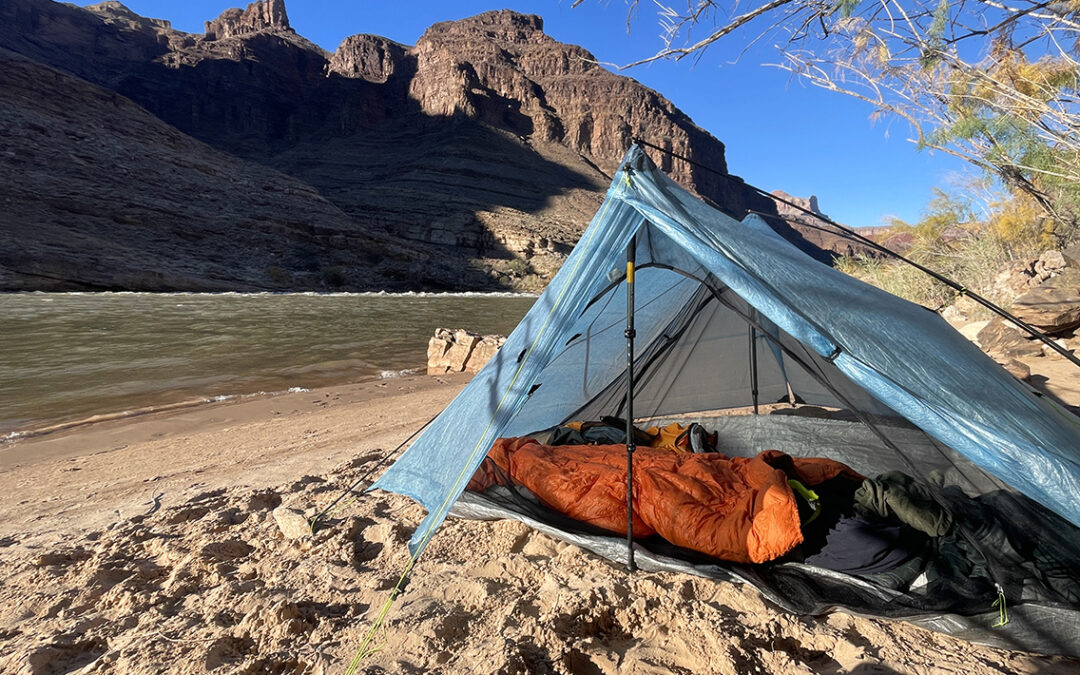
[66, 356]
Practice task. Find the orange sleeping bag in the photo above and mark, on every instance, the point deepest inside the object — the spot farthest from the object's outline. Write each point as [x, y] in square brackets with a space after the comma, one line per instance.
[734, 508]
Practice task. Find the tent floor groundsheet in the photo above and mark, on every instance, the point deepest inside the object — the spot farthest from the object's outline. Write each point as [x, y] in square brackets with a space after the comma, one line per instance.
[1048, 628]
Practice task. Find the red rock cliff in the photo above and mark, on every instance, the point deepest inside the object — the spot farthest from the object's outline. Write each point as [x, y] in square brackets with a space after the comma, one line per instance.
[259, 16]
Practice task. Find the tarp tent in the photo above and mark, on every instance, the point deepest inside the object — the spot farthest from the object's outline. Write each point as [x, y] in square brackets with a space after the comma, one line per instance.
[727, 308]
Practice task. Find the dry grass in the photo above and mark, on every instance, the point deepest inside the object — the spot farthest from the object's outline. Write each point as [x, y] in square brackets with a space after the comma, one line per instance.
[973, 261]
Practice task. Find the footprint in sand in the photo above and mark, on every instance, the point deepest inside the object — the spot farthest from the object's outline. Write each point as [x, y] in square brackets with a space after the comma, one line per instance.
[64, 658]
[224, 551]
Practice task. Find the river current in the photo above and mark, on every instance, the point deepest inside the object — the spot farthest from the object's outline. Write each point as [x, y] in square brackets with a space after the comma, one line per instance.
[66, 356]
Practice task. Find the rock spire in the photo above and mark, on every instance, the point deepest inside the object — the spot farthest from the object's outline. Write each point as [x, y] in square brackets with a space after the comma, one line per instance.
[259, 16]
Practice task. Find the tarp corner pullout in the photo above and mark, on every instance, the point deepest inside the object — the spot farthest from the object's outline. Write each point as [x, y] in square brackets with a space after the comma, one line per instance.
[708, 284]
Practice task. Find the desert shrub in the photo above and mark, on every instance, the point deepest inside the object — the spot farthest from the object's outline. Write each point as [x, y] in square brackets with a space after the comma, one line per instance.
[895, 277]
[278, 275]
[964, 243]
[1020, 223]
[519, 267]
[333, 276]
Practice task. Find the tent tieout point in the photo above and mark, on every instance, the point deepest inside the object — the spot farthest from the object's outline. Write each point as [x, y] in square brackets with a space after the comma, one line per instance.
[703, 278]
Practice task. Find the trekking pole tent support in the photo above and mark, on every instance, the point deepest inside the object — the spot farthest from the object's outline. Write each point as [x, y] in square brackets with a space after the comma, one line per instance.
[630, 447]
[753, 367]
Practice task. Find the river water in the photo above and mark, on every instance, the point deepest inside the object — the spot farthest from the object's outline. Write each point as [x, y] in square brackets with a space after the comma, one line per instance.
[66, 356]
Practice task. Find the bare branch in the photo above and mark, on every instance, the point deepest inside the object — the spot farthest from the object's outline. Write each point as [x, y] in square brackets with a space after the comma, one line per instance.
[1008, 102]
[731, 27]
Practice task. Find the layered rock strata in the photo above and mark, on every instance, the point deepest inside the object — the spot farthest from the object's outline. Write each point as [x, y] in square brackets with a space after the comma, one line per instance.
[805, 215]
[259, 16]
[487, 142]
[98, 194]
[1044, 293]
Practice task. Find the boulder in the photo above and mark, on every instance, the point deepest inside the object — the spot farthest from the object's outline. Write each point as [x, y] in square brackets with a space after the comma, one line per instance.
[483, 352]
[1050, 351]
[436, 353]
[457, 357]
[460, 351]
[1011, 282]
[1002, 340]
[963, 311]
[1054, 306]
[1050, 263]
[292, 522]
[971, 331]
[1072, 255]
[1018, 369]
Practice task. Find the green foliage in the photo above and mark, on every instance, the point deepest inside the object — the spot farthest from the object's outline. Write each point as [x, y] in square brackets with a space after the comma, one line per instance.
[935, 36]
[519, 267]
[1010, 108]
[333, 276]
[936, 32]
[944, 211]
[278, 275]
[846, 8]
[896, 278]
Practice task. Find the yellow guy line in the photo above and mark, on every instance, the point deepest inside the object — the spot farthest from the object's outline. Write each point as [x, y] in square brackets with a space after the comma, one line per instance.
[365, 649]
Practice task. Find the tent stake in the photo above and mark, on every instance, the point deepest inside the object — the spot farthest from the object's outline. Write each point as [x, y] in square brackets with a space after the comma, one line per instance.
[630, 334]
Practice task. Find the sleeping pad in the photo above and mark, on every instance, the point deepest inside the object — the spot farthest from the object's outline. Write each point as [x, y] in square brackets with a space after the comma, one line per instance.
[734, 508]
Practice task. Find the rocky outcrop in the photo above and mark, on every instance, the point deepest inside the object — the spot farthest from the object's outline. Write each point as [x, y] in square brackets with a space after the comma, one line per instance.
[117, 13]
[1053, 306]
[500, 67]
[261, 15]
[371, 58]
[1049, 279]
[459, 351]
[90, 42]
[98, 194]
[1045, 293]
[801, 215]
[791, 206]
[1027, 274]
[1017, 369]
[1004, 341]
[488, 141]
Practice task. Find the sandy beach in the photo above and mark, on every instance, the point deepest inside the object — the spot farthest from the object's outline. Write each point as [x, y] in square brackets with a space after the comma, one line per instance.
[148, 545]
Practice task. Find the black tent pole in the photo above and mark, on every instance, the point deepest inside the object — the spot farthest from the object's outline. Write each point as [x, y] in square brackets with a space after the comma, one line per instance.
[630, 334]
[753, 367]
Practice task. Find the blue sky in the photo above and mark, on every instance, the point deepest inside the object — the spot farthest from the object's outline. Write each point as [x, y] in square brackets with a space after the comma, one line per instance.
[779, 133]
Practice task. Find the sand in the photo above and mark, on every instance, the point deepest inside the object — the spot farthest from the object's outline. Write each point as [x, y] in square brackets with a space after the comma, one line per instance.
[149, 545]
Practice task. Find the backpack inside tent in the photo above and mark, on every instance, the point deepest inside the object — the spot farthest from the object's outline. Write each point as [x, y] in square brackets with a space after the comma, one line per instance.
[778, 355]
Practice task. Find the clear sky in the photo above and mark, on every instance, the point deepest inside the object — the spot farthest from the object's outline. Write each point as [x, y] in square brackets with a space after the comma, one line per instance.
[779, 133]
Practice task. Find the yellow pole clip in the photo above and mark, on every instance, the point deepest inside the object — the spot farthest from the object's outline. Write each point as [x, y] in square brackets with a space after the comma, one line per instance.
[629, 272]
